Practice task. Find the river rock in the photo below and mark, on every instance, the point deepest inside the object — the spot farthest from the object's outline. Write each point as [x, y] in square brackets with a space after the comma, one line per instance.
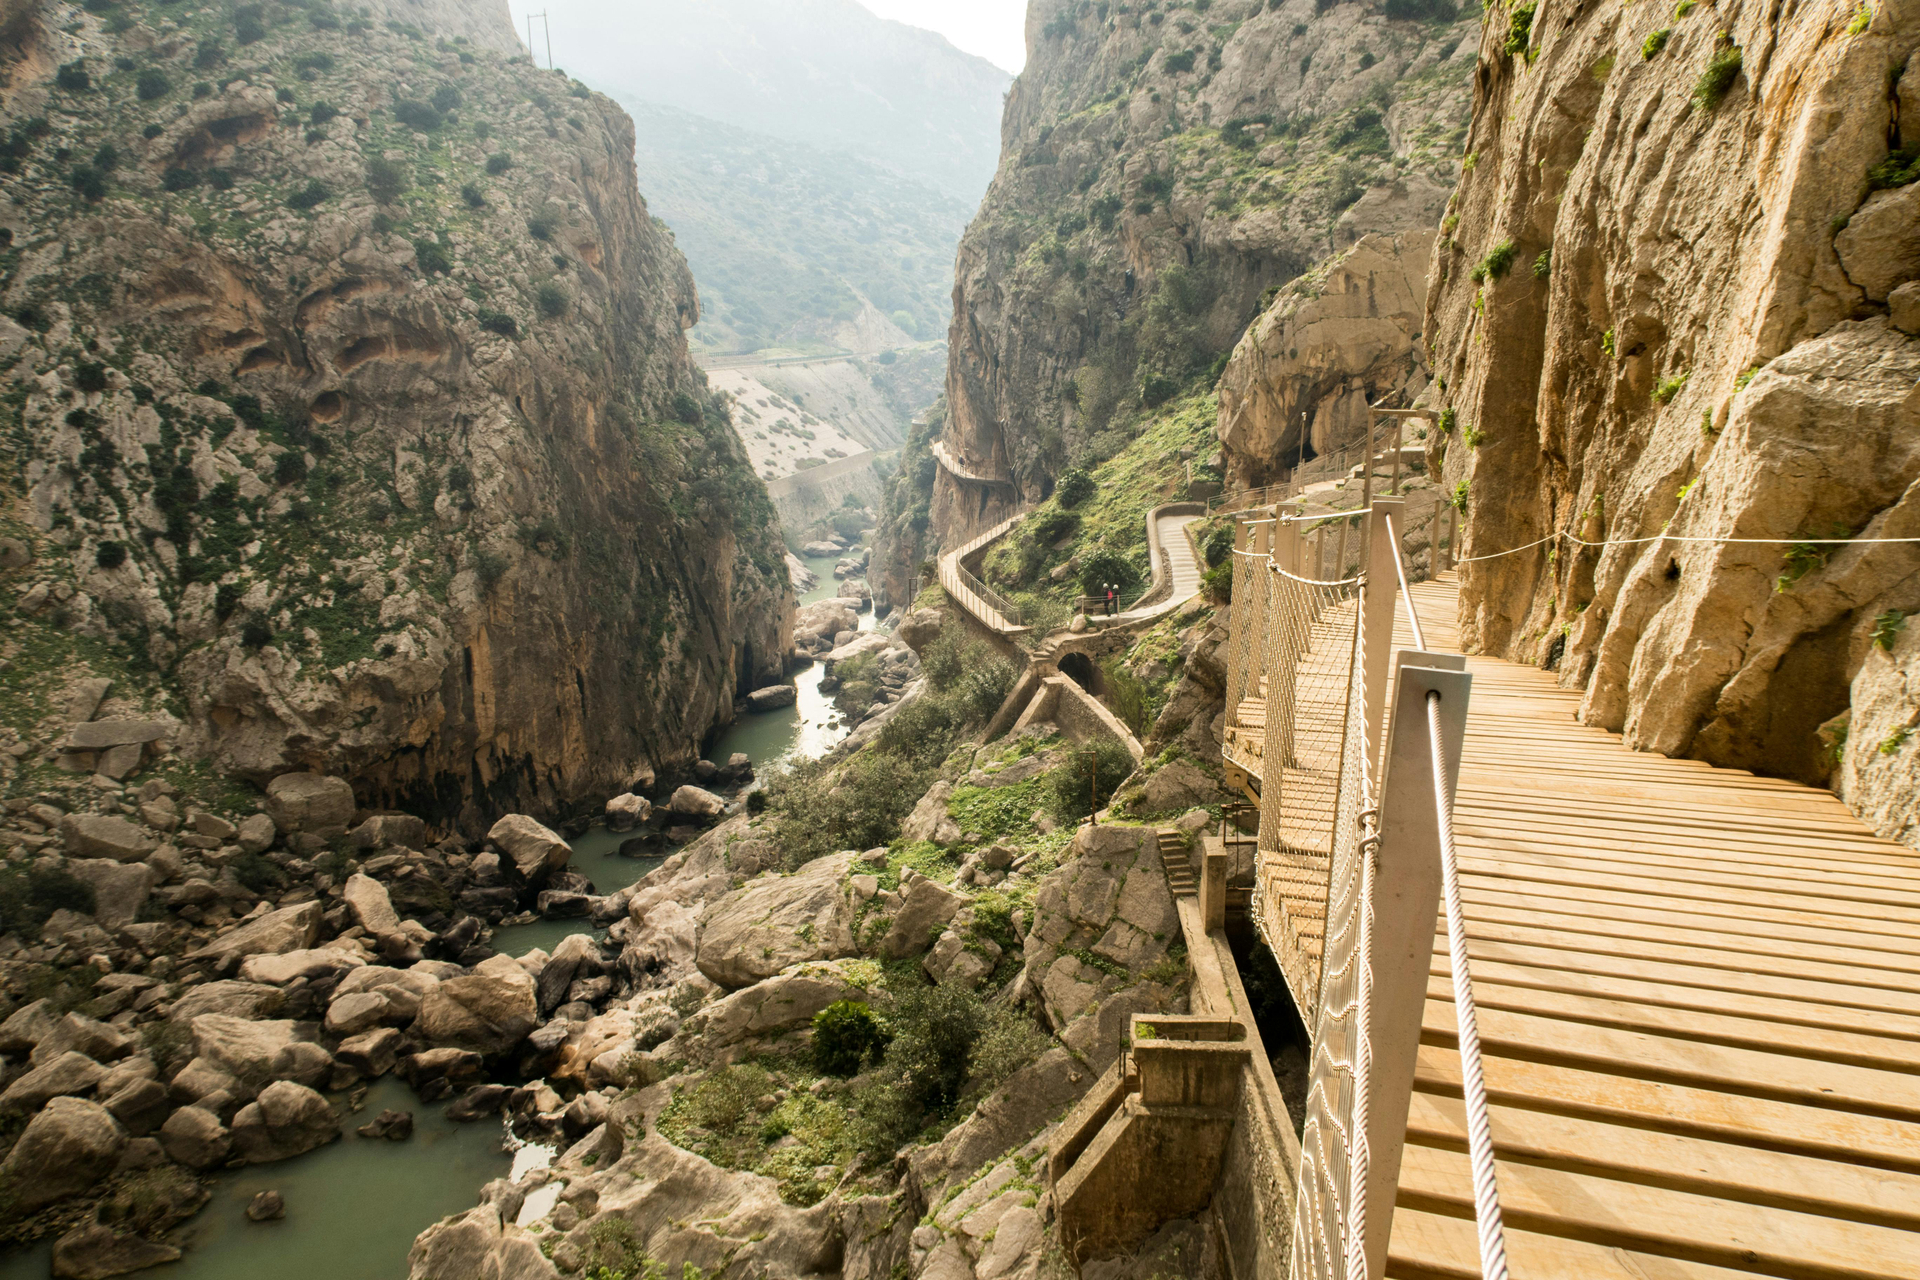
[925, 908]
[557, 974]
[394, 1126]
[625, 812]
[235, 999]
[693, 802]
[355, 1012]
[288, 929]
[404, 989]
[311, 803]
[535, 851]
[27, 1027]
[287, 1120]
[777, 922]
[68, 1073]
[783, 1002]
[773, 697]
[96, 1251]
[312, 963]
[100, 836]
[200, 1079]
[488, 1012]
[256, 1053]
[370, 1054]
[141, 1106]
[481, 1100]
[67, 1147]
[386, 830]
[267, 1206]
[371, 905]
[194, 1137]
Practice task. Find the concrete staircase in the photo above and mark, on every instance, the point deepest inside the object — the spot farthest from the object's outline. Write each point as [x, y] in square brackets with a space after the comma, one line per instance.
[1179, 867]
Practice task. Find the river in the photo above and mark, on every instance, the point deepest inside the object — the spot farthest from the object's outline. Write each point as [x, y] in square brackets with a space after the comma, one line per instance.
[355, 1206]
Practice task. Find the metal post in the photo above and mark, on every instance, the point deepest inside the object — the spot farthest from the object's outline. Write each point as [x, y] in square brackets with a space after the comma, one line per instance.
[1399, 437]
[1406, 899]
[1286, 537]
[1340, 567]
[1366, 486]
[548, 28]
[1320, 554]
[1381, 595]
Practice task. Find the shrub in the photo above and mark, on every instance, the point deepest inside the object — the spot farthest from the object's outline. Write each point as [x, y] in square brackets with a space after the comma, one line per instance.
[432, 257]
[1071, 786]
[1126, 696]
[846, 1038]
[152, 83]
[178, 179]
[1498, 262]
[73, 77]
[540, 227]
[248, 24]
[110, 555]
[1178, 63]
[310, 65]
[1897, 170]
[322, 112]
[491, 566]
[291, 468]
[1520, 29]
[499, 162]
[475, 198]
[89, 181]
[209, 55]
[151, 132]
[500, 322]
[1157, 388]
[1107, 567]
[220, 179]
[1721, 72]
[417, 115]
[28, 897]
[553, 300]
[926, 1065]
[1543, 265]
[314, 193]
[686, 408]
[256, 634]
[1650, 48]
[90, 377]
[1074, 488]
[258, 874]
[1667, 388]
[386, 179]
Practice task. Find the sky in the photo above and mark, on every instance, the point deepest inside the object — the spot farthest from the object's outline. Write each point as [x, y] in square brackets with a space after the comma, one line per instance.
[994, 29]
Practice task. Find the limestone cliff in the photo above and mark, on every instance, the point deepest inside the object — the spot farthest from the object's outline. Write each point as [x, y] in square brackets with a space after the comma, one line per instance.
[1671, 311]
[347, 388]
[1164, 167]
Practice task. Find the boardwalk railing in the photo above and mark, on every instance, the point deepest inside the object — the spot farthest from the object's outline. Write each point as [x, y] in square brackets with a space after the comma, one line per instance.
[976, 597]
[1354, 759]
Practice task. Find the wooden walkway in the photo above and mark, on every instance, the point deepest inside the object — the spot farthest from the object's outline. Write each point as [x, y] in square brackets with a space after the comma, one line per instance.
[1699, 998]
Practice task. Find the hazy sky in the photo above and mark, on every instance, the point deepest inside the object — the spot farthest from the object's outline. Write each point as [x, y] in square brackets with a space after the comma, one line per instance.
[993, 29]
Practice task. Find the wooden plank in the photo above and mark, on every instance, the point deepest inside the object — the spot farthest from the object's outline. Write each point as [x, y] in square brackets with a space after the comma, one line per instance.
[1680, 1060]
[1818, 871]
[1429, 1246]
[1828, 1188]
[1663, 1107]
[1663, 1223]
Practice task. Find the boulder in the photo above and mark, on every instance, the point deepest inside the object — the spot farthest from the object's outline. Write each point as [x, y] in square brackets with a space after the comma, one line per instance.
[777, 922]
[82, 1034]
[95, 1251]
[625, 812]
[358, 1011]
[120, 889]
[371, 905]
[394, 1126]
[288, 929]
[489, 1012]
[199, 1080]
[103, 735]
[258, 833]
[535, 851]
[213, 826]
[925, 908]
[97, 835]
[61, 1076]
[557, 974]
[480, 1100]
[772, 698]
[29, 1025]
[1903, 307]
[287, 1120]
[920, 628]
[371, 1053]
[385, 830]
[929, 820]
[311, 963]
[952, 962]
[311, 803]
[194, 1137]
[404, 989]
[67, 1147]
[1880, 247]
[693, 802]
[257, 1053]
[783, 1002]
[1178, 785]
[266, 1206]
[235, 999]
[141, 1106]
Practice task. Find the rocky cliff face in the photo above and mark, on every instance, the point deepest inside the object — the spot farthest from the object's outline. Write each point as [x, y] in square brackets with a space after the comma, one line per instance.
[347, 385]
[1165, 168]
[1672, 309]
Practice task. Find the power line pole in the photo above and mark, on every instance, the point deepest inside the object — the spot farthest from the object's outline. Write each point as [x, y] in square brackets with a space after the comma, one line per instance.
[545, 26]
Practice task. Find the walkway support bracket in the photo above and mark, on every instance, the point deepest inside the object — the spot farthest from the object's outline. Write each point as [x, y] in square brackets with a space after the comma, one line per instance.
[1406, 902]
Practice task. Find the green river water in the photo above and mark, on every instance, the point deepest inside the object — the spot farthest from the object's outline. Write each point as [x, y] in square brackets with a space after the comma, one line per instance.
[355, 1206]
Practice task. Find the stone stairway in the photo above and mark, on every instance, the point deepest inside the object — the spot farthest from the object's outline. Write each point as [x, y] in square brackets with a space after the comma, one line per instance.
[1179, 867]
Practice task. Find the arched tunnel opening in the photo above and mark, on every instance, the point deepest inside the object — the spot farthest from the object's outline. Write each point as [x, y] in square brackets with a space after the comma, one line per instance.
[1083, 671]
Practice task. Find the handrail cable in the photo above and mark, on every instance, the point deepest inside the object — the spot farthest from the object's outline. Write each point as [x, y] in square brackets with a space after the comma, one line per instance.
[1486, 1190]
[1675, 537]
[1400, 568]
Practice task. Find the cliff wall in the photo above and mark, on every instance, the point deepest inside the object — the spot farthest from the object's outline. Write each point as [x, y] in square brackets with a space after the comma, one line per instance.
[1667, 315]
[348, 386]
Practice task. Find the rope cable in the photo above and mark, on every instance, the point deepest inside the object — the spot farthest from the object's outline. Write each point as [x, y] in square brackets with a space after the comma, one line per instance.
[1406, 596]
[1486, 1191]
[1675, 537]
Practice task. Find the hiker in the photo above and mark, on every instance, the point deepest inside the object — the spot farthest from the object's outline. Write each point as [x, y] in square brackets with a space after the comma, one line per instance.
[1110, 599]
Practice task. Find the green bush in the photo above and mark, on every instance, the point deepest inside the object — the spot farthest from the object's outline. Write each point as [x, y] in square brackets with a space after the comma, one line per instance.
[152, 83]
[1074, 488]
[258, 874]
[313, 194]
[1718, 78]
[1897, 170]
[417, 115]
[1108, 568]
[209, 55]
[1520, 28]
[73, 77]
[90, 376]
[88, 181]
[432, 257]
[474, 196]
[1656, 41]
[322, 112]
[29, 896]
[248, 24]
[151, 132]
[386, 179]
[540, 227]
[499, 162]
[500, 322]
[846, 1037]
[256, 634]
[446, 98]
[1178, 63]
[553, 300]
[310, 65]
[1071, 786]
[110, 555]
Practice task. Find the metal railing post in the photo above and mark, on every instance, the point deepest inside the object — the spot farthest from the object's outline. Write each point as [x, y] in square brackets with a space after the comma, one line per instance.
[1286, 537]
[1406, 900]
[1383, 588]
